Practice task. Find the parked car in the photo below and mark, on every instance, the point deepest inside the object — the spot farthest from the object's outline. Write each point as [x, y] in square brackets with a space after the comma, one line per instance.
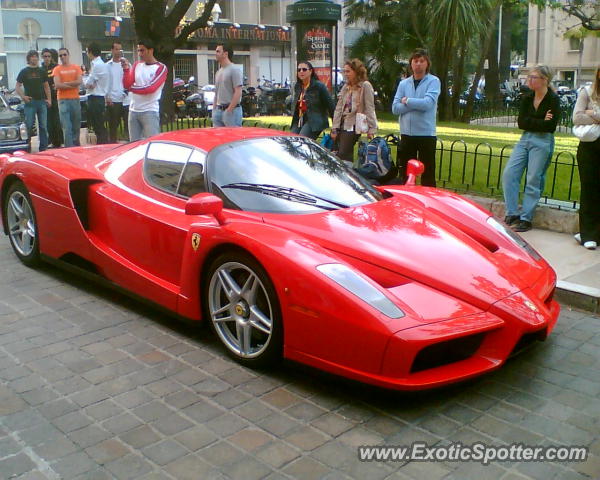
[13, 132]
[286, 252]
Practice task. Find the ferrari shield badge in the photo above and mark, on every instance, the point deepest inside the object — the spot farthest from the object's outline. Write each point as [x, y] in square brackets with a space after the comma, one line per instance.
[195, 241]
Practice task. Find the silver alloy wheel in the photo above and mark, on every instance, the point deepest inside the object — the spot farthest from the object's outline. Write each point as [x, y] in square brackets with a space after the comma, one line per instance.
[21, 223]
[240, 309]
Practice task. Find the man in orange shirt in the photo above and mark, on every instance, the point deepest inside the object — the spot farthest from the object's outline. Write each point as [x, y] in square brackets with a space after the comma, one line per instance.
[67, 78]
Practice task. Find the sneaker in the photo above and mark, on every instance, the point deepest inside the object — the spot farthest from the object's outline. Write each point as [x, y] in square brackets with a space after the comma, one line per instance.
[590, 245]
[522, 226]
[511, 219]
[577, 237]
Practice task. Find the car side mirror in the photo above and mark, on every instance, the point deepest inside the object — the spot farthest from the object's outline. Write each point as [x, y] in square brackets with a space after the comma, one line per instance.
[413, 170]
[205, 204]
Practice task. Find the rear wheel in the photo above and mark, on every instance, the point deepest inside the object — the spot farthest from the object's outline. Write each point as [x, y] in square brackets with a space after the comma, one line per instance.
[22, 224]
[244, 309]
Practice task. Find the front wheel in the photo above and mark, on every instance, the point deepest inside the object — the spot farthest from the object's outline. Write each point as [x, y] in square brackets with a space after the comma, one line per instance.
[22, 226]
[244, 309]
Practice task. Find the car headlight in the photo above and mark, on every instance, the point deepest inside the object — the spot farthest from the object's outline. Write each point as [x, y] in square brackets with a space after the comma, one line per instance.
[512, 236]
[2, 133]
[12, 133]
[23, 131]
[357, 285]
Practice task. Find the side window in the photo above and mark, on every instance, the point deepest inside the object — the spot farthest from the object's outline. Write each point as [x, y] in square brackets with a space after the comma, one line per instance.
[192, 180]
[164, 164]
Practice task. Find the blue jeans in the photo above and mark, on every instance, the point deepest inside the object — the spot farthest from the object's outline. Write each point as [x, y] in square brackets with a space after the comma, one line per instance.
[143, 125]
[306, 131]
[39, 108]
[70, 120]
[222, 118]
[533, 151]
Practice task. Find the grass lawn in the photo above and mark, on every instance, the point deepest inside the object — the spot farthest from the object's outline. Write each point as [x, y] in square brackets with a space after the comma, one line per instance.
[471, 157]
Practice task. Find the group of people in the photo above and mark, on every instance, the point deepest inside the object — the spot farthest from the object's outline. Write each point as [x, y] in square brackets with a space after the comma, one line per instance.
[415, 103]
[116, 91]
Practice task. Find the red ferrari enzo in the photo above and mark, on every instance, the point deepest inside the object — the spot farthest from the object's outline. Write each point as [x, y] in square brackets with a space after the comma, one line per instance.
[287, 252]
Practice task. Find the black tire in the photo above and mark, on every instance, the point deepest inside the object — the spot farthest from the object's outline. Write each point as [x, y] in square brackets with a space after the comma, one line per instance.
[240, 301]
[21, 224]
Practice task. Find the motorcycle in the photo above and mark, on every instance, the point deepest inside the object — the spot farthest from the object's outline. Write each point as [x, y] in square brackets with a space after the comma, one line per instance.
[195, 105]
[180, 92]
[208, 94]
[249, 102]
[272, 99]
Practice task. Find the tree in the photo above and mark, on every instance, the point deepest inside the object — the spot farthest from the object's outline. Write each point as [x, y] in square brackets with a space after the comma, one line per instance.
[164, 22]
[457, 33]
[588, 11]
[454, 23]
[390, 36]
[486, 35]
[499, 56]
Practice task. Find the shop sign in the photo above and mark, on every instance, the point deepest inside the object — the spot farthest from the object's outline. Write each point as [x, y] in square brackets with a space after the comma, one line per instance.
[249, 33]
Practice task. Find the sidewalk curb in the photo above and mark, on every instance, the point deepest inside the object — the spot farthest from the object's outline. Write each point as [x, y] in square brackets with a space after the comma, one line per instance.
[578, 296]
[546, 217]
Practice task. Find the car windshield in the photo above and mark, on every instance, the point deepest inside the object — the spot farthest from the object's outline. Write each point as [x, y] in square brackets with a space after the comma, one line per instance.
[3, 104]
[285, 175]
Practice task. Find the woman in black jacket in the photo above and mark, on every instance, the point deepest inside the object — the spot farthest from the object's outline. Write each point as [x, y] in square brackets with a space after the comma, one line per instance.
[538, 117]
[312, 103]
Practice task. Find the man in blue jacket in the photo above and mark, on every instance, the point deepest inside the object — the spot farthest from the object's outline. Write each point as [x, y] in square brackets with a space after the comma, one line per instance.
[416, 104]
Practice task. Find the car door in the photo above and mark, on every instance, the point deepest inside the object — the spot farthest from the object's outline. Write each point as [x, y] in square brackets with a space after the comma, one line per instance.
[139, 218]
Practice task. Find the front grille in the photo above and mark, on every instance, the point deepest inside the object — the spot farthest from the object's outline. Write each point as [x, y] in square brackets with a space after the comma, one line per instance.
[529, 339]
[444, 353]
[550, 297]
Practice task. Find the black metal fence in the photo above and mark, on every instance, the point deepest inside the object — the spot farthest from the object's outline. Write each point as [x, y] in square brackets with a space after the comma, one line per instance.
[484, 113]
[479, 170]
[462, 168]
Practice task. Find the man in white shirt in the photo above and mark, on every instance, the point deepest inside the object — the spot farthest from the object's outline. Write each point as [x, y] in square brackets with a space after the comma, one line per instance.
[116, 93]
[145, 81]
[97, 85]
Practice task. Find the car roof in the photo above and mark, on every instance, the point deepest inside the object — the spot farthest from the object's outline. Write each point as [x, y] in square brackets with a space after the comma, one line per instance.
[208, 138]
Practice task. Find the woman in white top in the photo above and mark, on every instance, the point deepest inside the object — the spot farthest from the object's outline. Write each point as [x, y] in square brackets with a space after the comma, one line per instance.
[586, 112]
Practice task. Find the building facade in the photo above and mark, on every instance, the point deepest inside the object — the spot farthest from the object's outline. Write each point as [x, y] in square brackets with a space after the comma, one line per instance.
[549, 42]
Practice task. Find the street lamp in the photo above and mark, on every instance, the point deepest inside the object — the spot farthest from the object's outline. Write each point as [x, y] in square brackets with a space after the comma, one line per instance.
[216, 12]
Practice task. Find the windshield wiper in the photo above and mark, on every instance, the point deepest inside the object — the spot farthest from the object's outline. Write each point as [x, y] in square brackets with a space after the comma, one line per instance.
[286, 193]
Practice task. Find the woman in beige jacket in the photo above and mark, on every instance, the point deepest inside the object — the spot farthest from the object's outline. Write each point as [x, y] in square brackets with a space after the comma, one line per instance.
[587, 112]
[357, 95]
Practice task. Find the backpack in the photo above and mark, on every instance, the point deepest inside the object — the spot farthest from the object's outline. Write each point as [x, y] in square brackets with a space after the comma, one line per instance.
[327, 142]
[374, 161]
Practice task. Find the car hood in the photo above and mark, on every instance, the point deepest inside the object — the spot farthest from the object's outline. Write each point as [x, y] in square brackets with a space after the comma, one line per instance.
[403, 236]
[9, 117]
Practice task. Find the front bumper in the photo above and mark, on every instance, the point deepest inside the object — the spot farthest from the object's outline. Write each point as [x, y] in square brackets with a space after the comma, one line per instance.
[7, 147]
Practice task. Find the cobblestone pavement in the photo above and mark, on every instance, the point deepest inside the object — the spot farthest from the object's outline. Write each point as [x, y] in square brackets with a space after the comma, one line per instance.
[96, 386]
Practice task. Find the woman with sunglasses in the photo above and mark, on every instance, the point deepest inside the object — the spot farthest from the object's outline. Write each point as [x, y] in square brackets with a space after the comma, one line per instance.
[312, 103]
[357, 96]
[538, 117]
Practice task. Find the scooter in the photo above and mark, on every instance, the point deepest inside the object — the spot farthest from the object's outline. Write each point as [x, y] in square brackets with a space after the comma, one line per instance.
[249, 102]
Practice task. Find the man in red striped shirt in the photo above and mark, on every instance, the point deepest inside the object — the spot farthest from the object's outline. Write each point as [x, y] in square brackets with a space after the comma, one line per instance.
[145, 81]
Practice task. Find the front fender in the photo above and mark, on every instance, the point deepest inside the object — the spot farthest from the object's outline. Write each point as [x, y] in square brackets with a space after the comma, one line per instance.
[322, 321]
